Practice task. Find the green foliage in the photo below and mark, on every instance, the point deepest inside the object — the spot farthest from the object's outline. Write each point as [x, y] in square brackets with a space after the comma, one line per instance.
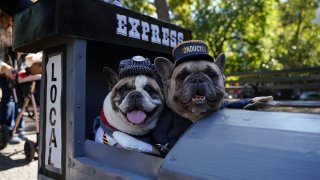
[254, 34]
[142, 6]
[297, 40]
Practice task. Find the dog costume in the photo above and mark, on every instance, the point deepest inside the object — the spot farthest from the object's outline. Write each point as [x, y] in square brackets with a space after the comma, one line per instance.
[132, 107]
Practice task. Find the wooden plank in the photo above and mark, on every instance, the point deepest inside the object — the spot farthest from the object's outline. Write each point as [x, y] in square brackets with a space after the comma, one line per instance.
[294, 79]
[234, 87]
[300, 103]
[85, 19]
[250, 73]
[315, 86]
[123, 160]
[239, 144]
[292, 86]
[276, 79]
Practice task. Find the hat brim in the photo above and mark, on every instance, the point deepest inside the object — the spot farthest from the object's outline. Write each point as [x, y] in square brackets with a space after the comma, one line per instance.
[194, 57]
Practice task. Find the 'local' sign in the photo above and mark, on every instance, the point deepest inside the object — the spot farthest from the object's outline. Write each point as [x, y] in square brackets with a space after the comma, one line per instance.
[53, 112]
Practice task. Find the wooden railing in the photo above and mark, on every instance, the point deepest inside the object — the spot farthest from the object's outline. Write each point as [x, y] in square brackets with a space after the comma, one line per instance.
[292, 85]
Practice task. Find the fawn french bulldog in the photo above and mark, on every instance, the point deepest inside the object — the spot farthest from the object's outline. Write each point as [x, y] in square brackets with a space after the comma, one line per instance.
[132, 107]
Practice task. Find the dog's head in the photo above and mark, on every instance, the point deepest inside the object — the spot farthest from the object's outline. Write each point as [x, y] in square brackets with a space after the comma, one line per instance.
[134, 103]
[193, 89]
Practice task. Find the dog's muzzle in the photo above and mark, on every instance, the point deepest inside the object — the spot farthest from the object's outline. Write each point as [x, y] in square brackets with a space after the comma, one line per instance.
[135, 112]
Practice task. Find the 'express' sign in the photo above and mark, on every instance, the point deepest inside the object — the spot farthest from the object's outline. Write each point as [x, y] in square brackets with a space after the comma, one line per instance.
[147, 32]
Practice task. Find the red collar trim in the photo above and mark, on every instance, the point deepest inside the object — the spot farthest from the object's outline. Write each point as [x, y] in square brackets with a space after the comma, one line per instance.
[104, 120]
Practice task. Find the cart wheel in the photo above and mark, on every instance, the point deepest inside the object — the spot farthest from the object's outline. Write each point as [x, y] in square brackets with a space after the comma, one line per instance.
[29, 150]
[4, 136]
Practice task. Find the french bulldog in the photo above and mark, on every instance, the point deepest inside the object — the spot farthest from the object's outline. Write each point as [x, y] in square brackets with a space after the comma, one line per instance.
[193, 89]
[132, 107]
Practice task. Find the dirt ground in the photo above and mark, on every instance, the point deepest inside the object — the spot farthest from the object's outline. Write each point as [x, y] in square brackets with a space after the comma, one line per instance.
[13, 165]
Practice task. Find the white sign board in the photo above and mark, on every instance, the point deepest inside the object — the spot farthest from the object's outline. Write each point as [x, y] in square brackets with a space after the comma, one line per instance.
[53, 144]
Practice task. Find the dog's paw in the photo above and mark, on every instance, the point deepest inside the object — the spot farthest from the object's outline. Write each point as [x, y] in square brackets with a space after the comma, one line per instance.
[130, 143]
[261, 103]
[262, 99]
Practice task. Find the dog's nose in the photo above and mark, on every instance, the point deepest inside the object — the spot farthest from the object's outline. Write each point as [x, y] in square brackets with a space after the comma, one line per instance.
[135, 95]
[197, 79]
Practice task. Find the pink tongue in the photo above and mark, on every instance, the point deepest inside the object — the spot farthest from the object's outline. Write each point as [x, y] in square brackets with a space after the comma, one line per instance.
[136, 116]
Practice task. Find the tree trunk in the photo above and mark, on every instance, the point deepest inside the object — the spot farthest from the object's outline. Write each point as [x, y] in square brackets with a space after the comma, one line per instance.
[162, 10]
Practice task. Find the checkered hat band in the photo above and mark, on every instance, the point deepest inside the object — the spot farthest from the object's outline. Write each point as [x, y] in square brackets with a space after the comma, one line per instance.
[129, 67]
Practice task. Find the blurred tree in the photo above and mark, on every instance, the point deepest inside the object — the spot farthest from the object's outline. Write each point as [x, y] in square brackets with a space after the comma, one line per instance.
[231, 26]
[142, 6]
[151, 8]
[254, 34]
[297, 39]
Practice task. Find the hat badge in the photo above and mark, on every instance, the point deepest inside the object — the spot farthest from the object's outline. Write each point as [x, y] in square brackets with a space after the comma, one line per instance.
[138, 58]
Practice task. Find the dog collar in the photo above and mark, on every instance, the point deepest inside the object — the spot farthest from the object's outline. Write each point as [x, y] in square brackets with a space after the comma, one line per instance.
[105, 124]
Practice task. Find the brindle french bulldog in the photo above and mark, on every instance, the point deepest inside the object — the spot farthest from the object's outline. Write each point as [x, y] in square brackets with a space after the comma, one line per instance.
[132, 107]
[193, 88]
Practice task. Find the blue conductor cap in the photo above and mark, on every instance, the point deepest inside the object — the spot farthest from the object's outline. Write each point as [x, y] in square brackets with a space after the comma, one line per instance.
[135, 66]
[192, 50]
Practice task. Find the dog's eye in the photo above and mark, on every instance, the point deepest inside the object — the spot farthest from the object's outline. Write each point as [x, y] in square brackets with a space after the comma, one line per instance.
[211, 73]
[183, 75]
[148, 88]
[123, 90]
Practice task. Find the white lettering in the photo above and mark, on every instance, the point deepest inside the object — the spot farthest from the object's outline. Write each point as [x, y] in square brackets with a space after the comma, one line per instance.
[180, 37]
[165, 35]
[145, 30]
[173, 40]
[134, 24]
[122, 22]
[155, 38]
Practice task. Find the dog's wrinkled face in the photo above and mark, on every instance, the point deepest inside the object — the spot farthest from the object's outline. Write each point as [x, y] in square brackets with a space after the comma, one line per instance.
[134, 104]
[193, 89]
[138, 98]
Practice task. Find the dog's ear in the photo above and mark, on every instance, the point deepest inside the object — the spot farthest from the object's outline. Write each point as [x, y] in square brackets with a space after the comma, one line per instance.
[221, 61]
[111, 76]
[164, 67]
